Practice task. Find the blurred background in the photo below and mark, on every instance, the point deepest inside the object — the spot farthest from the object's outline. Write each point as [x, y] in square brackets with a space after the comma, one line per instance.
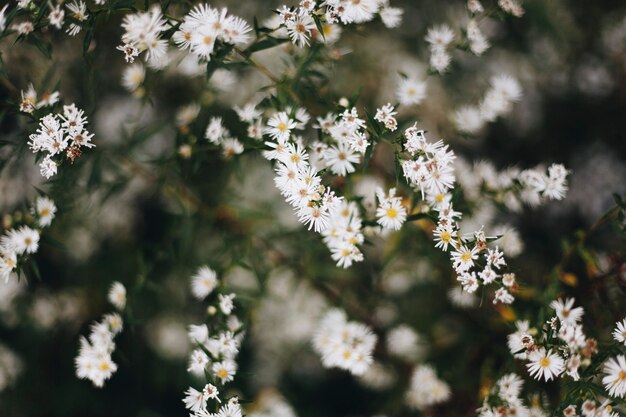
[134, 211]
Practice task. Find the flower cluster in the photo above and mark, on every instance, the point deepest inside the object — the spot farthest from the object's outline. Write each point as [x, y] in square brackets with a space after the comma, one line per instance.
[343, 344]
[143, 34]
[503, 92]
[60, 134]
[385, 115]
[217, 134]
[18, 243]
[301, 25]
[430, 168]
[433, 174]
[217, 346]
[439, 39]
[31, 101]
[94, 360]
[505, 399]
[347, 131]
[561, 349]
[205, 26]
[513, 187]
[426, 389]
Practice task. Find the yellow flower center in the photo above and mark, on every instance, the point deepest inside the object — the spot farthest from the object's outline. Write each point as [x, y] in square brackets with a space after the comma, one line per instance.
[282, 126]
[392, 213]
[445, 236]
[544, 362]
[222, 373]
[466, 257]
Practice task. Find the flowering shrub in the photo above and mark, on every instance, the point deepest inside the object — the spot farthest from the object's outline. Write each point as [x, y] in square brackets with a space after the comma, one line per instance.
[339, 207]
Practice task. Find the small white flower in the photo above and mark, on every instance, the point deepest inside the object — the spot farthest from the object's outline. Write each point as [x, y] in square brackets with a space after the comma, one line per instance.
[615, 379]
[117, 295]
[226, 303]
[203, 282]
[546, 365]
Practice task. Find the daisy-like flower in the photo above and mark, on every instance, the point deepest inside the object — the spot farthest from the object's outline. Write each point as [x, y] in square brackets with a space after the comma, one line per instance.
[564, 311]
[391, 16]
[226, 303]
[231, 147]
[195, 401]
[117, 295]
[56, 17]
[215, 131]
[280, 126]
[444, 235]
[299, 28]
[225, 370]
[133, 77]
[21, 241]
[340, 159]
[410, 91]
[385, 115]
[439, 37]
[8, 262]
[390, 213]
[546, 365]
[45, 209]
[463, 258]
[203, 282]
[198, 362]
[615, 379]
[619, 334]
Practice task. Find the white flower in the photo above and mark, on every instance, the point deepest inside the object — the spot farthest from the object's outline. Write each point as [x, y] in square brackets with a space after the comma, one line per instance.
[391, 16]
[203, 282]
[619, 334]
[56, 17]
[385, 115]
[198, 333]
[546, 365]
[439, 37]
[403, 341]
[390, 213]
[425, 389]
[226, 303]
[410, 91]
[510, 387]
[46, 210]
[225, 370]
[299, 28]
[231, 147]
[343, 344]
[567, 315]
[503, 296]
[133, 77]
[48, 167]
[615, 379]
[515, 341]
[195, 401]
[280, 126]
[340, 159]
[463, 258]
[8, 262]
[198, 362]
[117, 295]
[468, 119]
